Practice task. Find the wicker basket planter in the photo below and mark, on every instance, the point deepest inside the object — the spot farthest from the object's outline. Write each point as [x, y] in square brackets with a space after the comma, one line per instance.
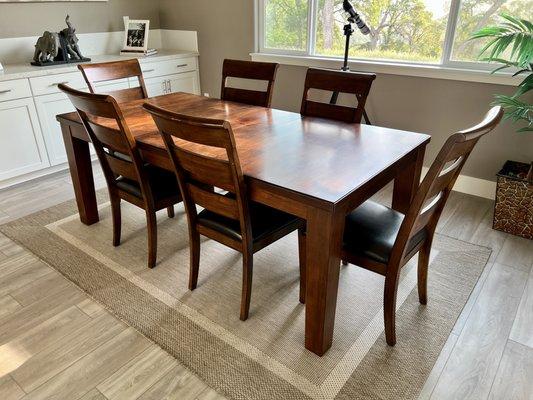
[513, 212]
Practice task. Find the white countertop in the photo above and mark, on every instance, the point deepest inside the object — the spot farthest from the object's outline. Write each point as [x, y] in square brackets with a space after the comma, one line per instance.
[22, 71]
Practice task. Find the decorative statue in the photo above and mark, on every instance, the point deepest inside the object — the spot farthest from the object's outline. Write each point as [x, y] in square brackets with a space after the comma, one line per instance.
[46, 48]
[71, 41]
[58, 48]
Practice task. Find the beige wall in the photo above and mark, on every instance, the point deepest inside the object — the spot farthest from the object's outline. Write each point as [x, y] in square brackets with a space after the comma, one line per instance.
[31, 19]
[434, 106]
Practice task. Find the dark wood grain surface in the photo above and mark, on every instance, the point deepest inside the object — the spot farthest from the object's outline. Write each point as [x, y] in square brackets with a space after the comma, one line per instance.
[313, 156]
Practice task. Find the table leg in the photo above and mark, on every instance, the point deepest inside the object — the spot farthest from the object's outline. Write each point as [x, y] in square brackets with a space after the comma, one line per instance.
[407, 182]
[81, 171]
[324, 240]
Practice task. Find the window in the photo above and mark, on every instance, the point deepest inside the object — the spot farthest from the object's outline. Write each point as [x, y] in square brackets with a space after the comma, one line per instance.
[432, 32]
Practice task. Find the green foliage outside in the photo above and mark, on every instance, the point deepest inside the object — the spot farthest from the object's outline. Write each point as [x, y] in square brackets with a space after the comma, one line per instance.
[400, 29]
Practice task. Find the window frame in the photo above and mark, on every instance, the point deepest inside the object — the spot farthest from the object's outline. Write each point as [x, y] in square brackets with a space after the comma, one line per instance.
[446, 61]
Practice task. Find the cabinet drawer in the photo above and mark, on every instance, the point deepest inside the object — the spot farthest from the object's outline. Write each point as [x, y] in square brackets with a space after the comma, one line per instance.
[16, 89]
[48, 84]
[169, 67]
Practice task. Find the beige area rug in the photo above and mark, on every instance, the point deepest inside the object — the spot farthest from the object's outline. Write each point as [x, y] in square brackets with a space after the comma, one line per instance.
[264, 357]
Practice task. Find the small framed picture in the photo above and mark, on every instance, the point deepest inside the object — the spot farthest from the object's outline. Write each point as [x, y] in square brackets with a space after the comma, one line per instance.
[136, 35]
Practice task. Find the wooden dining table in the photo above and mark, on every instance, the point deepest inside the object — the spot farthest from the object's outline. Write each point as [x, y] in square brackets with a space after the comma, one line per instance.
[316, 169]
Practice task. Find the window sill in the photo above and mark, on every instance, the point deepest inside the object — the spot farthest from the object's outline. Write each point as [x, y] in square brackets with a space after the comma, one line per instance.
[425, 71]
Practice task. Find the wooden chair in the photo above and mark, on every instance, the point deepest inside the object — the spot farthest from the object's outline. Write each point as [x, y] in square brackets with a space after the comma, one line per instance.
[248, 70]
[383, 240]
[204, 156]
[356, 83]
[128, 177]
[111, 71]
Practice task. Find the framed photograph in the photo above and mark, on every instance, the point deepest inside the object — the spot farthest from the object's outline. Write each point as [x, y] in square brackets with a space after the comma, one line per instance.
[136, 34]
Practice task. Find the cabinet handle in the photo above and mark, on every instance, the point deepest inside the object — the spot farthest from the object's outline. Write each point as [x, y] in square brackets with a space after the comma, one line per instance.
[181, 65]
[5, 91]
[148, 70]
[59, 83]
[169, 86]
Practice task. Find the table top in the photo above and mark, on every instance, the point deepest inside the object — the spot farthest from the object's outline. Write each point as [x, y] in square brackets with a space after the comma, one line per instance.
[312, 156]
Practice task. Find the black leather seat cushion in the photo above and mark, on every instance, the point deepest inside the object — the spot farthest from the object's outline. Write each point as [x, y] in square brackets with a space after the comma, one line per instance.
[163, 183]
[265, 221]
[371, 231]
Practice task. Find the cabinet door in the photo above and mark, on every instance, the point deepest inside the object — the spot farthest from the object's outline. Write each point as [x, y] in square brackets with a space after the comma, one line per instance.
[155, 86]
[186, 82]
[48, 107]
[21, 144]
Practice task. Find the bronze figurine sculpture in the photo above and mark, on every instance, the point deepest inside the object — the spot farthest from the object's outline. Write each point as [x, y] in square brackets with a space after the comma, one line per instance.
[58, 48]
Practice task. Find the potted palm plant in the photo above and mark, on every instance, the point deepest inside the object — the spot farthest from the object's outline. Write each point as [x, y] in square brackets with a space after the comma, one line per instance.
[510, 44]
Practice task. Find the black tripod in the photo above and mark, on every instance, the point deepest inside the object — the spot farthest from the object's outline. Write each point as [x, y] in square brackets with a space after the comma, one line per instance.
[348, 32]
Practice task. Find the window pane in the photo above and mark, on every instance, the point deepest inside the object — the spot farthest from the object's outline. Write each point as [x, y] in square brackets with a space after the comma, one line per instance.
[476, 14]
[410, 30]
[286, 24]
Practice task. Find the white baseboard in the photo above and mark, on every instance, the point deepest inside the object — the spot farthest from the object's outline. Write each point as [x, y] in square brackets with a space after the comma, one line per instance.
[474, 186]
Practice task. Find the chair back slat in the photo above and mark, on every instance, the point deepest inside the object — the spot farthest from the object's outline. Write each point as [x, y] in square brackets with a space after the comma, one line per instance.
[355, 83]
[222, 205]
[109, 138]
[114, 144]
[248, 70]
[203, 153]
[341, 113]
[428, 211]
[112, 71]
[252, 97]
[208, 170]
[121, 167]
[446, 175]
[435, 189]
[125, 95]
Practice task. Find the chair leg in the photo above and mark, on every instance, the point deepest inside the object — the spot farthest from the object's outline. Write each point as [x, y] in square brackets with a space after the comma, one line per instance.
[302, 249]
[151, 223]
[170, 212]
[194, 238]
[389, 306]
[117, 220]
[247, 272]
[423, 265]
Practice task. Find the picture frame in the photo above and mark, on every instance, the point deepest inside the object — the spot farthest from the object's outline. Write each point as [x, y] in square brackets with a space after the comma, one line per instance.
[136, 34]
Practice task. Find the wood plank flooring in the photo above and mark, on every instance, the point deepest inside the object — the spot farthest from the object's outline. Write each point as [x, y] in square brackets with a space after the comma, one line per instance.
[55, 342]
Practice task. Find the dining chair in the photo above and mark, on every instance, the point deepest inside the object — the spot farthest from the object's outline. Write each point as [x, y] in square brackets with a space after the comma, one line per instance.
[204, 157]
[112, 71]
[354, 83]
[383, 240]
[128, 177]
[248, 70]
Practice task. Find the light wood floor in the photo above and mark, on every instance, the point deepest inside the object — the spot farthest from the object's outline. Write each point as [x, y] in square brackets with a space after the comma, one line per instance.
[55, 342]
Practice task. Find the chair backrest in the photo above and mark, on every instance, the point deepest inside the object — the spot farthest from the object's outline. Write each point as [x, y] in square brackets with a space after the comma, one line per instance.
[355, 83]
[111, 71]
[248, 70]
[204, 156]
[431, 197]
[114, 144]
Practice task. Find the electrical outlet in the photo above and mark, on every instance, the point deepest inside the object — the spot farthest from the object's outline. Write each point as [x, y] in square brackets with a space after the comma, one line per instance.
[206, 95]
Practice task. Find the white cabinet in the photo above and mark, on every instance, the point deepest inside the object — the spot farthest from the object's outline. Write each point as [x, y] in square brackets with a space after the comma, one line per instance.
[186, 82]
[48, 106]
[156, 86]
[21, 145]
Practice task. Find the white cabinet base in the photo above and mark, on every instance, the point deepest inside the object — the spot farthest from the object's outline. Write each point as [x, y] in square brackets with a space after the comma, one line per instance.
[22, 148]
